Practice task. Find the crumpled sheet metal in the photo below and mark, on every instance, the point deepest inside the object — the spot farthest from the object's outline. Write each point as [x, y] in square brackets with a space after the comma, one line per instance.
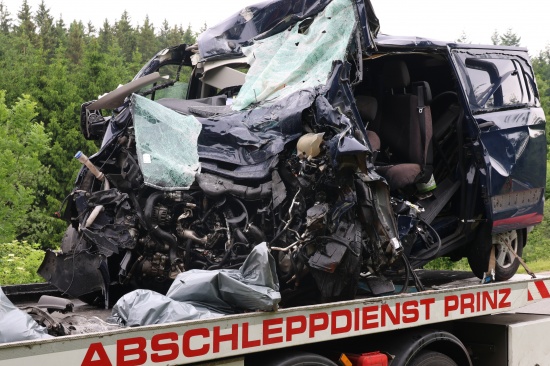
[166, 144]
[256, 135]
[16, 325]
[259, 20]
[293, 59]
[200, 294]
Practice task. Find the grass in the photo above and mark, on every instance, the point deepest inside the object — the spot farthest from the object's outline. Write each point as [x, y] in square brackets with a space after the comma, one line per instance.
[537, 266]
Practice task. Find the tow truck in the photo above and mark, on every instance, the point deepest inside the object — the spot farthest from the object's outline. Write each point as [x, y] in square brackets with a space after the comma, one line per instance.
[345, 193]
[456, 321]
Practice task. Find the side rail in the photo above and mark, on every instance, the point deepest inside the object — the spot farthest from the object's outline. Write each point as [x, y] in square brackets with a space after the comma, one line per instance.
[204, 340]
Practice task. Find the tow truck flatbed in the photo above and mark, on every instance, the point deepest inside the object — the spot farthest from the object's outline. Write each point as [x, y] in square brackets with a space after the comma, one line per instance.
[450, 296]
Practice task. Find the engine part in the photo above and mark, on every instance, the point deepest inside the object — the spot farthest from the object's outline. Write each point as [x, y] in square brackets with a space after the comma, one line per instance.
[216, 186]
[309, 145]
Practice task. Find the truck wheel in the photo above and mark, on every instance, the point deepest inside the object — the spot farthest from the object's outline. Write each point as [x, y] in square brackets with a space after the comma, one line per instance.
[298, 359]
[431, 358]
[506, 263]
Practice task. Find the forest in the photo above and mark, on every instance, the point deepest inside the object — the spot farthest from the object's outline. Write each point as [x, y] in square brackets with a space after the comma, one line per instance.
[48, 68]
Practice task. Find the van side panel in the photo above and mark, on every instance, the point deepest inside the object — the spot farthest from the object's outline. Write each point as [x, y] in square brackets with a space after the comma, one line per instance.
[508, 133]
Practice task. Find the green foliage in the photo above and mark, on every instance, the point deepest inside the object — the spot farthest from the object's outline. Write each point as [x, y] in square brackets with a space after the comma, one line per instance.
[541, 66]
[48, 69]
[19, 262]
[5, 19]
[510, 38]
[126, 36]
[23, 142]
[507, 39]
[538, 241]
[445, 263]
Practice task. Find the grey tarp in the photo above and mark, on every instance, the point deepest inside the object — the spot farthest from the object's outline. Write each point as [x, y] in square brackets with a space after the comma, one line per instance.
[144, 307]
[16, 325]
[199, 294]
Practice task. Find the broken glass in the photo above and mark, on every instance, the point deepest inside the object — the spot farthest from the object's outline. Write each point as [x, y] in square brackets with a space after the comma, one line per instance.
[166, 143]
[299, 58]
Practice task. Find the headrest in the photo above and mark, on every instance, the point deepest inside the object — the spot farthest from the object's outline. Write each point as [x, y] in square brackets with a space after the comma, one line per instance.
[368, 106]
[426, 89]
[396, 74]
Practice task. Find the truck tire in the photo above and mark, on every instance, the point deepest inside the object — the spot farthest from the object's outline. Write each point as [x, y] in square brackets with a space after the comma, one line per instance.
[297, 359]
[431, 358]
[506, 263]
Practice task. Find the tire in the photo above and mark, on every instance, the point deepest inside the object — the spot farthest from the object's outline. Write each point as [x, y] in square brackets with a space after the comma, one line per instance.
[506, 263]
[293, 359]
[431, 358]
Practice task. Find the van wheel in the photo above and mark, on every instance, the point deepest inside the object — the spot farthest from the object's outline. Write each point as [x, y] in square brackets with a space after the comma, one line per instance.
[506, 262]
[432, 358]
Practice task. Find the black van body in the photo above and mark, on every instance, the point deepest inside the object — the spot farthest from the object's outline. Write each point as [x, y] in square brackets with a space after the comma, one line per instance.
[405, 150]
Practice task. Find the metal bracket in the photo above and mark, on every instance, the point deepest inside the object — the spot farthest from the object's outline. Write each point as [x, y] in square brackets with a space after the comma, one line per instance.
[489, 276]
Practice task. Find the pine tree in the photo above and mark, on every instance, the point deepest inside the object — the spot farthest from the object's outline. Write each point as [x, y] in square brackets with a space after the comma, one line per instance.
[175, 36]
[189, 36]
[60, 31]
[163, 35]
[90, 30]
[463, 38]
[147, 41]
[5, 20]
[46, 30]
[495, 38]
[26, 27]
[203, 28]
[75, 42]
[510, 38]
[125, 35]
[105, 36]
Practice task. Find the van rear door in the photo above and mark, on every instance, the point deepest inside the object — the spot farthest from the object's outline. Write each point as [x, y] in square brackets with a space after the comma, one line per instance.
[507, 127]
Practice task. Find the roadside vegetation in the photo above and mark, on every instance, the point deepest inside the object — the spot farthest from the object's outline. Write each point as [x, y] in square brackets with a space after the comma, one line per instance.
[19, 262]
[48, 68]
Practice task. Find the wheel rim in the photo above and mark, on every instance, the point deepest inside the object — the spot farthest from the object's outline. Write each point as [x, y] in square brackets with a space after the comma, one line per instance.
[504, 257]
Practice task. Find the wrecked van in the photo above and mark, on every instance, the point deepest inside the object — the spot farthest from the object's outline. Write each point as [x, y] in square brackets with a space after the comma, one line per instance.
[355, 156]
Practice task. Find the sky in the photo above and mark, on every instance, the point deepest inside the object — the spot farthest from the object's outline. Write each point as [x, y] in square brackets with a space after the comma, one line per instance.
[438, 19]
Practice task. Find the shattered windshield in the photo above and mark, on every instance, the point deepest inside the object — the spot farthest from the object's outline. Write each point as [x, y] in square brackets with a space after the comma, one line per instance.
[166, 144]
[298, 58]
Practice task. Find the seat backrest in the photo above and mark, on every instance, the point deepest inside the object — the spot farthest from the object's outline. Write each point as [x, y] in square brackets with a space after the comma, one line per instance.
[368, 108]
[405, 125]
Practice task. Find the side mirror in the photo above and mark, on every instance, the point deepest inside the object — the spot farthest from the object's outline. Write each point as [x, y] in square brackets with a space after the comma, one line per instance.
[92, 123]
